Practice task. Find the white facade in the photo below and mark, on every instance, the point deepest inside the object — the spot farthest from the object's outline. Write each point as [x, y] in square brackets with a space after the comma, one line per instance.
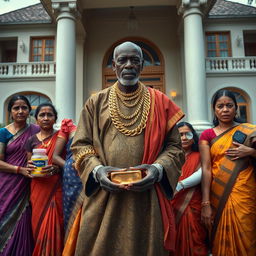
[84, 36]
[240, 76]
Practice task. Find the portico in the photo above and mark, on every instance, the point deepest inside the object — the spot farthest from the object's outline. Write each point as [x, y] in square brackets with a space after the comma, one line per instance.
[194, 58]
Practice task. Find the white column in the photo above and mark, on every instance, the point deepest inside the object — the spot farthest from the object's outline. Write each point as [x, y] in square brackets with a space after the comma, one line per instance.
[195, 76]
[65, 87]
[79, 75]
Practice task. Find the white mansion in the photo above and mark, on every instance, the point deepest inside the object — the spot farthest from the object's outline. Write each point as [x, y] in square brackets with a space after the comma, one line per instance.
[61, 51]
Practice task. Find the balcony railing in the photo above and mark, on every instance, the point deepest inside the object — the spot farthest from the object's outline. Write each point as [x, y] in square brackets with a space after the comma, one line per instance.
[29, 69]
[230, 64]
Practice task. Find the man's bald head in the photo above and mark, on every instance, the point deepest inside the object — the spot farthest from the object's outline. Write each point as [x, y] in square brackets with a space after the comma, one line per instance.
[125, 45]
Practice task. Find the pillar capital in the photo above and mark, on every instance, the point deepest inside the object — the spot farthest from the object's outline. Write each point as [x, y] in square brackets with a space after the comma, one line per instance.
[187, 7]
[67, 8]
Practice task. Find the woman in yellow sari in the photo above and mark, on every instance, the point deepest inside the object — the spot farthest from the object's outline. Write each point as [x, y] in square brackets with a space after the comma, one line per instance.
[229, 183]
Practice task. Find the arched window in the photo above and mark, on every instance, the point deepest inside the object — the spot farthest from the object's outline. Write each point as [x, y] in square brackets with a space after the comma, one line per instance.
[243, 105]
[153, 72]
[34, 99]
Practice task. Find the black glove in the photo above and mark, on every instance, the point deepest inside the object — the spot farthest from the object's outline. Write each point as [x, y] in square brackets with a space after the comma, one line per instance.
[102, 175]
[152, 175]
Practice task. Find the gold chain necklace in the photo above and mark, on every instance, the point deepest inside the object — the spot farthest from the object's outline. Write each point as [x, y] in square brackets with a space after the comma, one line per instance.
[136, 111]
[116, 117]
[124, 98]
[128, 95]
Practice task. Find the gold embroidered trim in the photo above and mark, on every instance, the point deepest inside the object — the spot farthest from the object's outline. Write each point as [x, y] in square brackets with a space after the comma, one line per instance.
[88, 150]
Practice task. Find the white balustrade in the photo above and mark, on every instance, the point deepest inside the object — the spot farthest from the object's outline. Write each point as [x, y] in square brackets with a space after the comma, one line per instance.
[29, 69]
[230, 64]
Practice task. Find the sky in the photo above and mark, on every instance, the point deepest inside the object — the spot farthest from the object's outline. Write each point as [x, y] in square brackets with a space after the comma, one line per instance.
[11, 5]
[245, 2]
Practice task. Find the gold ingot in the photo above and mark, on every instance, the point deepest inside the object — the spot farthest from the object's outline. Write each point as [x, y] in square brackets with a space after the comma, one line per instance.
[125, 177]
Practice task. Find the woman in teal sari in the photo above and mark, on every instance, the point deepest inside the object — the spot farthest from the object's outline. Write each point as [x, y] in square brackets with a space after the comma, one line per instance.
[15, 213]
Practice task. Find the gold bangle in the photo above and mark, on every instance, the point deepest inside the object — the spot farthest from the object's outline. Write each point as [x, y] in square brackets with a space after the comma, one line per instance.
[205, 203]
[88, 150]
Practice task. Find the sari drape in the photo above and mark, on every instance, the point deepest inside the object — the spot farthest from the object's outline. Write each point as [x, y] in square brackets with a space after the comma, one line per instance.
[47, 213]
[72, 186]
[15, 211]
[234, 206]
[164, 114]
[191, 235]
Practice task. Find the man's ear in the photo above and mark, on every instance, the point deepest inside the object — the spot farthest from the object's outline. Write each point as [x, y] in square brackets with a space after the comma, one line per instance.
[113, 65]
[142, 65]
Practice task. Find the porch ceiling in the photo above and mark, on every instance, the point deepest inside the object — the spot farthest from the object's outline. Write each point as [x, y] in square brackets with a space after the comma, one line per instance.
[89, 4]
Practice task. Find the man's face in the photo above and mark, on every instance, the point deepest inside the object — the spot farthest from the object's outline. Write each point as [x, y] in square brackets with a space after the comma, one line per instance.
[127, 65]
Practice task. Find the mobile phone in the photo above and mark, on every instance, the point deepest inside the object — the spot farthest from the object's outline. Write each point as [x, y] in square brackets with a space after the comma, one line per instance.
[239, 137]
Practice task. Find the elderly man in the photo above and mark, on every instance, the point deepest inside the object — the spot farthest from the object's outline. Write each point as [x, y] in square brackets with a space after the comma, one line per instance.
[122, 128]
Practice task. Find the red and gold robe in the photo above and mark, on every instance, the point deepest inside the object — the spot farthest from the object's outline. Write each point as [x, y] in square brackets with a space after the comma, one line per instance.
[128, 223]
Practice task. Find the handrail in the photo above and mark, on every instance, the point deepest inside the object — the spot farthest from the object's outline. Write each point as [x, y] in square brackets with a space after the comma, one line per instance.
[29, 69]
[230, 64]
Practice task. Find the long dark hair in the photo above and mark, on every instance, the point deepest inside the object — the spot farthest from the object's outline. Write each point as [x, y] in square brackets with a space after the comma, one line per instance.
[220, 93]
[194, 146]
[16, 97]
[46, 104]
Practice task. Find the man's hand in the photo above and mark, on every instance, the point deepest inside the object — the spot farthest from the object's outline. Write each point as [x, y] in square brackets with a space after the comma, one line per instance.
[102, 175]
[152, 174]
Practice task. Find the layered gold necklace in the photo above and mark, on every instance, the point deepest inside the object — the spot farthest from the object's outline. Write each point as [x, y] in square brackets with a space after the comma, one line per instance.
[122, 122]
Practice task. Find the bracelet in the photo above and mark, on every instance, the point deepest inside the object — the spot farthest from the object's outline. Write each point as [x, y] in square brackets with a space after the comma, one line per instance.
[88, 150]
[205, 203]
[18, 169]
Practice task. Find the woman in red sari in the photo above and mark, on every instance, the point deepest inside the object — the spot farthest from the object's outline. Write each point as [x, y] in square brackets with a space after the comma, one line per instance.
[46, 192]
[191, 234]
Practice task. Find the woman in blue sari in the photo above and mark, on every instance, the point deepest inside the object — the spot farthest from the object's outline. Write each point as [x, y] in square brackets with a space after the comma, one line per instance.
[72, 184]
[15, 212]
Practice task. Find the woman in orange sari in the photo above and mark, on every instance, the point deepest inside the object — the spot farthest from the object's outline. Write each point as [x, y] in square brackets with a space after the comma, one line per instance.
[46, 192]
[229, 183]
[191, 234]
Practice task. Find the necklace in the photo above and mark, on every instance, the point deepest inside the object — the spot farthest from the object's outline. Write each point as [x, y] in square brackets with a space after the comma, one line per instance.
[45, 145]
[118, 118]
[223, 129]
[16, 130]
[128, 95]
[137, 95]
